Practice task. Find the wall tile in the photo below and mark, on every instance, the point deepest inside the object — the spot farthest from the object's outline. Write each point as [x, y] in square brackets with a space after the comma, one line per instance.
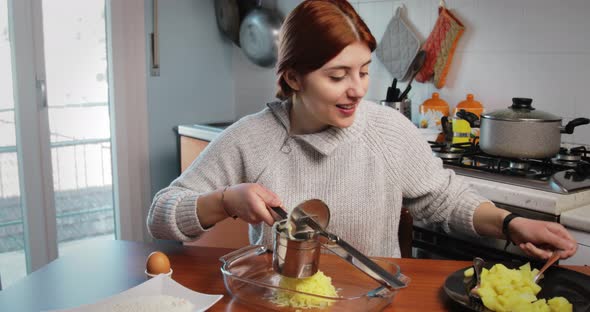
[551, 33]
[377, 16]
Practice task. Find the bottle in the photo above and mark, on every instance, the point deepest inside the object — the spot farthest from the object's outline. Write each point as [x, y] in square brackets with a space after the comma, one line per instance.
[462, 131]
[431, 111]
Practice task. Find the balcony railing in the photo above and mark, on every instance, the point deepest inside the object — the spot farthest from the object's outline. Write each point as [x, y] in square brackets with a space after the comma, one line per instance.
[82, 187]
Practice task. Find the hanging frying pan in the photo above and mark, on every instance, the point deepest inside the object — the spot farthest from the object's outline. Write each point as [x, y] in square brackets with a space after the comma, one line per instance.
[259, 36]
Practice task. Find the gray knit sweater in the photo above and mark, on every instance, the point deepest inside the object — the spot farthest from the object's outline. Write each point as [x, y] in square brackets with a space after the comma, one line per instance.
[365, 173]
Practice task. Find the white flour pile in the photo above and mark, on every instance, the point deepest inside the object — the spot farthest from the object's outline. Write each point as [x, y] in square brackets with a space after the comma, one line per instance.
[153, 303]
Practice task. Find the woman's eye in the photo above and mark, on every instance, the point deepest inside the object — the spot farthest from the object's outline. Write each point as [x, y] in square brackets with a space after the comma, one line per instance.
[364, 74]
[337, 78]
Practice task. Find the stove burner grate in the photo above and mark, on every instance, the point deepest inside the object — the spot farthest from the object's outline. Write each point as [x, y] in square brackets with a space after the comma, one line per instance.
[468, 155]
[453, 152]
[572, 155]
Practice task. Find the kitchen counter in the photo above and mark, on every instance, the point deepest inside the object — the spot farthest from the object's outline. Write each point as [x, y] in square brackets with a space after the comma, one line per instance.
[205, 132]
[537, 200]
[105, 268]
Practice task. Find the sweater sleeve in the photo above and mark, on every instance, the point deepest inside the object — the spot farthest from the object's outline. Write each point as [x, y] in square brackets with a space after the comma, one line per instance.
[173, 213]
[433, 193]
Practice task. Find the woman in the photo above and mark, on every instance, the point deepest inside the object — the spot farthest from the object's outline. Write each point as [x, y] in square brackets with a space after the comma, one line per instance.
[322, 141]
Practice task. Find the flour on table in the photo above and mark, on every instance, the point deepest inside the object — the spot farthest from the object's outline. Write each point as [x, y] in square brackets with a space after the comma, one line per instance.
[153, 303]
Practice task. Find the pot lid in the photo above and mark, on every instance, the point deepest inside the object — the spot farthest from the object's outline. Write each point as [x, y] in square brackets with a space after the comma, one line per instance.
[522, 110]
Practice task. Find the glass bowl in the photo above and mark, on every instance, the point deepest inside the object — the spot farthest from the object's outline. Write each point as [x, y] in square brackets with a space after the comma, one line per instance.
[249, 277]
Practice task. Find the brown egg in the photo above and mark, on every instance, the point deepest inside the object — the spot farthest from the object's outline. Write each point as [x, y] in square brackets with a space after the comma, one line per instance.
[157, 262]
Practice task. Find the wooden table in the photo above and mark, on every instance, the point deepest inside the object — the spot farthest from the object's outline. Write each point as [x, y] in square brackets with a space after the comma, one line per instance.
[106, 268]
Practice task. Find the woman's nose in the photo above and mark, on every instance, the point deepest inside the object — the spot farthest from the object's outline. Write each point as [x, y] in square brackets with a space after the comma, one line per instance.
[357, 88]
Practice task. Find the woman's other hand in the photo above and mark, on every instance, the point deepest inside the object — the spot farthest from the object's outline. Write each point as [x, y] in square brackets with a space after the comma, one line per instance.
[250, 202]
[540, 238]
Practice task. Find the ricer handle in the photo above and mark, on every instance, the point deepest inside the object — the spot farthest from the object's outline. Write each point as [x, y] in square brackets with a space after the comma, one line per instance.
[362, 262]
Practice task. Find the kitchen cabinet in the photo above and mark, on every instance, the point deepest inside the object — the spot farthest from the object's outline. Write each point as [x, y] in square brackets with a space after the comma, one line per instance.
[190, 148]
[228, 233]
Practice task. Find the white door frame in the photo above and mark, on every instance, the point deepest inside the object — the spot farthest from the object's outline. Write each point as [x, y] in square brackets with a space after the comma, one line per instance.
[32, 133]
[126, 51]
[128, 72]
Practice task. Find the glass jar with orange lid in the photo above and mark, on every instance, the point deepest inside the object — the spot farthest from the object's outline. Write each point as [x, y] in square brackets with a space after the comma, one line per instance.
[470, 105]
[431, 112]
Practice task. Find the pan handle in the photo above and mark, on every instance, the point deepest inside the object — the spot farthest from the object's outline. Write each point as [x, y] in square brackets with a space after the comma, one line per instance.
[569, 128]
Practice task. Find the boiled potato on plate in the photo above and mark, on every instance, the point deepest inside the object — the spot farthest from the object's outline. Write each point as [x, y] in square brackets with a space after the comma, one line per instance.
[503, 289]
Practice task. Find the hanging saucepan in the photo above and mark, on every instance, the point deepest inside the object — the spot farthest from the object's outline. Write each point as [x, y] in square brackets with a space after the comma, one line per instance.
[521, 131]
[227, 14]
[259, 36]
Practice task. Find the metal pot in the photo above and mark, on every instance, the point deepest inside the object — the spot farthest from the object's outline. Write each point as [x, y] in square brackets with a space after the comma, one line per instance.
[259, 36]
[521, 131]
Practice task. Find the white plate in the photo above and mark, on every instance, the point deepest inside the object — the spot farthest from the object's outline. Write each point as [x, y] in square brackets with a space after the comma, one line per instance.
[159, 285]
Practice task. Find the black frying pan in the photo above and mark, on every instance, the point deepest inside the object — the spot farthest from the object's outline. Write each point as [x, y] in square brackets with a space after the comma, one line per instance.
[572, 285]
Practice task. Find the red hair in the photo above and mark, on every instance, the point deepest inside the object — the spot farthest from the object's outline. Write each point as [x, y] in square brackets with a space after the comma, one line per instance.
[314, 33]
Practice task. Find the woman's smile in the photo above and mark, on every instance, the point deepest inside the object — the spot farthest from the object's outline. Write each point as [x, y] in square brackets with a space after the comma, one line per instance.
[347, 109]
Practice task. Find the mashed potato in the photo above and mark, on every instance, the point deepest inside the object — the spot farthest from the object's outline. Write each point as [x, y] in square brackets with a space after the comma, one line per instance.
[318, 284]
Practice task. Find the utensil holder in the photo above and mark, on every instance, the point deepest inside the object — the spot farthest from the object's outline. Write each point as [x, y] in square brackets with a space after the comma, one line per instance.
[404, 107]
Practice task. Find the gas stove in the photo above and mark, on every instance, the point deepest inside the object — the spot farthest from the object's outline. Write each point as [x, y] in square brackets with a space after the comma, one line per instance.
[539, 189]
[565, 173]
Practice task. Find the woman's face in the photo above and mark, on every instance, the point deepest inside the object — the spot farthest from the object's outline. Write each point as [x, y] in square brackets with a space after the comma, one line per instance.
[330, 95]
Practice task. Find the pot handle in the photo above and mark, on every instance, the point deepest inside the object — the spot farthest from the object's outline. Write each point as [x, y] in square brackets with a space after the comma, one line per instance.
[447, 128]
[569, 128]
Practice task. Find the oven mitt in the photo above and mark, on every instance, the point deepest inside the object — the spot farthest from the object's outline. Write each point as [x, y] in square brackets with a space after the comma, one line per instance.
[398, 47]
[440, 47]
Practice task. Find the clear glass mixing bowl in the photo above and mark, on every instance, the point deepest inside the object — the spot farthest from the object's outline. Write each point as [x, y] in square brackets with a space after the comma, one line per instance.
[249, 277]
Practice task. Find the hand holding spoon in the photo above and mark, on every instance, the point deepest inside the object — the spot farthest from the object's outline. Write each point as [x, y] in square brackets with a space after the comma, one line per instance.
[554, 257]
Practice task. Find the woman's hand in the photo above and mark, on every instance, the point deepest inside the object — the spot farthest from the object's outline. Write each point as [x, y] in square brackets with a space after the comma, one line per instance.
[536, 238]
[540, 238]
[250, 202]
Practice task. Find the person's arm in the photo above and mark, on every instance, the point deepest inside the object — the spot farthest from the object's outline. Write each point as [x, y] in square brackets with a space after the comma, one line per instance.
[211, 208]
[193, 203]
[488, 220]
[247, 201]
[536, 238]
[432, 193]
[174, 211]
[437, 195]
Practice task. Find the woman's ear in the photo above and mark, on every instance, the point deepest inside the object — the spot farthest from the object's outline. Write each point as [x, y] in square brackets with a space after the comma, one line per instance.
[292, 79]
